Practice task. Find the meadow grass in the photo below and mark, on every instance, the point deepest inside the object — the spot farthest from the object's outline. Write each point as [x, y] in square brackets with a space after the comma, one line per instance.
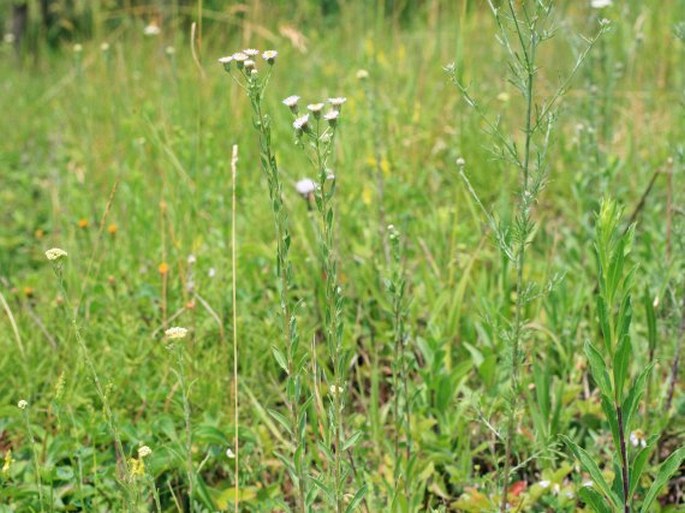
[403, 391]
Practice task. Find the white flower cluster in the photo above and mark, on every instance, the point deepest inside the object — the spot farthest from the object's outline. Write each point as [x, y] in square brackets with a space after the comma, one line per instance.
[245, 60]
[176, 333]
[55, 254]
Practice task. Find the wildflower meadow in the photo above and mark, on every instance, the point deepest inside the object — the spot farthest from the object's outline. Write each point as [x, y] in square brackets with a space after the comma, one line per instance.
[342, 256]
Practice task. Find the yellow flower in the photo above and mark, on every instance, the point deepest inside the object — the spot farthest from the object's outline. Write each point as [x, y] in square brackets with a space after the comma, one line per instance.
[112, 229]
[8, 462]
[163, 268]
[83, 223]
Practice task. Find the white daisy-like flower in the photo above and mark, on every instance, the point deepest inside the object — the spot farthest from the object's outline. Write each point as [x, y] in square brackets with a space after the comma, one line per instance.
[144, 451]
[301, 123]
[315, 109]
[305, 187]
[176, 333]
[337, 102]
[226, 60]
[291, 102]
[600, 4]
[461, 162]
[230, 454]
[332, 117]
[152, 30]
[251, 52]
[22, 404]
[55, 254]
[362, 74]
[240, 59]
[249, 64]
[544, 483]
[270, 56]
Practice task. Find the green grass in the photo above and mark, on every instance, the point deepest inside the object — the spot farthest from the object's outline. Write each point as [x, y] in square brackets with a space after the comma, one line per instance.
[141, 140]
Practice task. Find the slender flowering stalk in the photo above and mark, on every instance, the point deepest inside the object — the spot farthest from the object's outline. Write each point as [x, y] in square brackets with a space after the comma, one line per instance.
[175, 336]
[57, 257]
[317, 138]
[528, 29]
[23, 405]
[255, 83]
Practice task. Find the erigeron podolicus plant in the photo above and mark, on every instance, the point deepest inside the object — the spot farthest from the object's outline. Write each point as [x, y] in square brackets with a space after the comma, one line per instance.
[253, 78]
[315, 133]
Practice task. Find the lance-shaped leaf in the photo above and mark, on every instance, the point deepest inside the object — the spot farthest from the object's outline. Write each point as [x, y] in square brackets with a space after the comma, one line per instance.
[591, 468]
[666, 470]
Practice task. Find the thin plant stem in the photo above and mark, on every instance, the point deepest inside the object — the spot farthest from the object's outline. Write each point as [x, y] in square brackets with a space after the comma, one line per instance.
[234, 163]
[34, 455]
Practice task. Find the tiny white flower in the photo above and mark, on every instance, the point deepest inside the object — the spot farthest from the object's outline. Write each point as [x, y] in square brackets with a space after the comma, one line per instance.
[78, 48]
[587, 484]
[240, 59]
[301, 122]
[637, 439]
[170, 50]
[249, 64]
[212, 272]
[556, 488]
[104, 47]
[9, 38]
[461, 162]
[570, 495]
[54, 254]
[176, 333]
[230, 454]
[226, 59]
[600, 4]
[315, 108]
[337, 102]
[152, 30]
[191, 259]
[332, 117]
[144, 451]
[270, 56]
[544, 483]
[291, 102]
[251, 52]
[362, 74]
[305, 187]
[333, 390]
[22, 404]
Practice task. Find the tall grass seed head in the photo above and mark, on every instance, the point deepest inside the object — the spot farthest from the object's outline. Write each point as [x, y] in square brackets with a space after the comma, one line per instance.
[55, 254]
[270, 56]
[291, 102]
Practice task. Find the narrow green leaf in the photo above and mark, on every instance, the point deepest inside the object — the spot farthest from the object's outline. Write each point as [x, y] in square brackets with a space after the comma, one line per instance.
[593, 499]
[633, 398]
[280, 358]
[357, 499]
[667, 469]
[651, 320]
[598, 368]
[351, 440]
[609, 410]
[621, 361]
[603, 316]
[278, 417]
[641, 459]
[591, 468]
